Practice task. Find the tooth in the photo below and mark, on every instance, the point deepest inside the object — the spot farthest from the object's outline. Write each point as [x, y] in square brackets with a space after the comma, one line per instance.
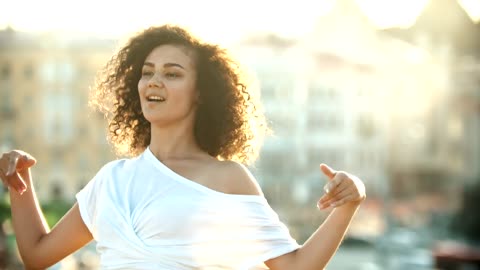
[155, 98]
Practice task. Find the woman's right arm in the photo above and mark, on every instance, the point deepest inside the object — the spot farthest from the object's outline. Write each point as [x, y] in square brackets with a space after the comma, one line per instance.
[39, 247]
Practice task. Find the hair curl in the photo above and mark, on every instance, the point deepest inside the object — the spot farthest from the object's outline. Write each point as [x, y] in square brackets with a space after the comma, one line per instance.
[229, 123]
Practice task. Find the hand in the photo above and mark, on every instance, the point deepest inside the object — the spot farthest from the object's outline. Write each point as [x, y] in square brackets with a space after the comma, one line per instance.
[13, 165]
[341, 189]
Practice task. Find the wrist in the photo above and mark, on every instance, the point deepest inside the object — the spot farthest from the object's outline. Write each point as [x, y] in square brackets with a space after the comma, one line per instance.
[353, 204]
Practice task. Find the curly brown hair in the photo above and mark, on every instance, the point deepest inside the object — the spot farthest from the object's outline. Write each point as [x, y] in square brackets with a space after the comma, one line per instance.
[229, 121]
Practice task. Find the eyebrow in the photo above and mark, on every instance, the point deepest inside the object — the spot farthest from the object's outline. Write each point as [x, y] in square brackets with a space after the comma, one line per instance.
[150, 64]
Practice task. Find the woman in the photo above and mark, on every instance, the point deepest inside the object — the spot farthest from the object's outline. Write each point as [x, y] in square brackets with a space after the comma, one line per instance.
[184, 200]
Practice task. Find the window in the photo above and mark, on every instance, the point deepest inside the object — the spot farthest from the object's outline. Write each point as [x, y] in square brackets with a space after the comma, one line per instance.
[268, 92]
[47, 71]
[6, 107]
[65, 72]
[7, 141]
[276, 162]
[324, 121]
[365, 126]
[57, 71]
[28, 71]
[318, 91]
[317, 121]
[6, 71]
[58, 117]
[277, 89]
[281, 123]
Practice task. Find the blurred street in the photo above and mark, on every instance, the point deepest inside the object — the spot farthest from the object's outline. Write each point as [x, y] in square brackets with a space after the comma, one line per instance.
[354, 258]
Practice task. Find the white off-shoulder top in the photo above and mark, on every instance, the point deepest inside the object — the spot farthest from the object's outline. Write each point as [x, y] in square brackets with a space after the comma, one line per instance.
[143, 215]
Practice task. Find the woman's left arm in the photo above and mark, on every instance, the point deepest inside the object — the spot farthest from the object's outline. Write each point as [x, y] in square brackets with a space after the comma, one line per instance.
[345, 193]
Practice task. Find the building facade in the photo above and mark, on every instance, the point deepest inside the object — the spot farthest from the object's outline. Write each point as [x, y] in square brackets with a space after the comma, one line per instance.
[44, 85]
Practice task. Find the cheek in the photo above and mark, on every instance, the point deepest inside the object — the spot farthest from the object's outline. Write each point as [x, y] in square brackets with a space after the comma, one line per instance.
[141, 86]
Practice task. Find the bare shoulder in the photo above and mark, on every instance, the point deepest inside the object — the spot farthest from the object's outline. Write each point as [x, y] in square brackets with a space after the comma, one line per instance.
[240, 179]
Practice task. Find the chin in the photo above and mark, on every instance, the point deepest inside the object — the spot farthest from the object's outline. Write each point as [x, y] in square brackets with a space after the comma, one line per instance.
[157, 121]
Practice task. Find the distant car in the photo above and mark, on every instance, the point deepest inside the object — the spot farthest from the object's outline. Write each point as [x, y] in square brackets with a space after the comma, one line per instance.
[455, 255]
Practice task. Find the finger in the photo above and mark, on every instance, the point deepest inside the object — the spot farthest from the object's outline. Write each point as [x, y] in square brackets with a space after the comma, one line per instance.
[343, 185]
[320, 205]
[324, 206]
[16, 182]
[345, 193]
[329, 196]
[12, 165]
[329, 172]
[335, 182]
[325, 198]
[20, 186]
[331, 202]
[343, 201]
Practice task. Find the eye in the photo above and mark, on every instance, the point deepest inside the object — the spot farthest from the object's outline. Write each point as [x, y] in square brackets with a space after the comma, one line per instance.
[172, 75]
[147, 73]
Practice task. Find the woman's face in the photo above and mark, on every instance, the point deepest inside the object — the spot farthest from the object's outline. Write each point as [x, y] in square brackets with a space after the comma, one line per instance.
[167, 86]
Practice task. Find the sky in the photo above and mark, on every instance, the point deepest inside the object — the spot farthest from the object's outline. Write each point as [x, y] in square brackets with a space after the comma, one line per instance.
[217, 20]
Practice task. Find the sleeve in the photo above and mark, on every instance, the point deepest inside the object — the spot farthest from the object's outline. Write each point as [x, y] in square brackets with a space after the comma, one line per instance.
[88, 199]
[267, 235]
[277, 239]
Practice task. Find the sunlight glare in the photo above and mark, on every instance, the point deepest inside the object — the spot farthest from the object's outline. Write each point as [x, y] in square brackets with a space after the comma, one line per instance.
[472, 7]
[392, 13]
[215, 20]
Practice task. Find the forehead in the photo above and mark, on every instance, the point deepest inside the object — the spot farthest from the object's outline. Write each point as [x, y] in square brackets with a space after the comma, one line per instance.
[171, 54]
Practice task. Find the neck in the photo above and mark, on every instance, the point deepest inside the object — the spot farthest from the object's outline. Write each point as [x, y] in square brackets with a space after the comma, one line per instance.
[175, 141]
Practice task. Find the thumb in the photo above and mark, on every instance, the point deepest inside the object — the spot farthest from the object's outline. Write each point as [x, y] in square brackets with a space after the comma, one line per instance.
[328, 171]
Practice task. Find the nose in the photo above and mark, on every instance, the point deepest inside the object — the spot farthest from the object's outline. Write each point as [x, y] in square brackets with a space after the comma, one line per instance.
[155, 81]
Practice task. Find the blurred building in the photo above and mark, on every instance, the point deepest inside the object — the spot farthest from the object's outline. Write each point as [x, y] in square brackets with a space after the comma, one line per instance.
[44, 85]
[328, 97]
[375, 104]
[398, 107]
[317, 93]
[445, 152]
